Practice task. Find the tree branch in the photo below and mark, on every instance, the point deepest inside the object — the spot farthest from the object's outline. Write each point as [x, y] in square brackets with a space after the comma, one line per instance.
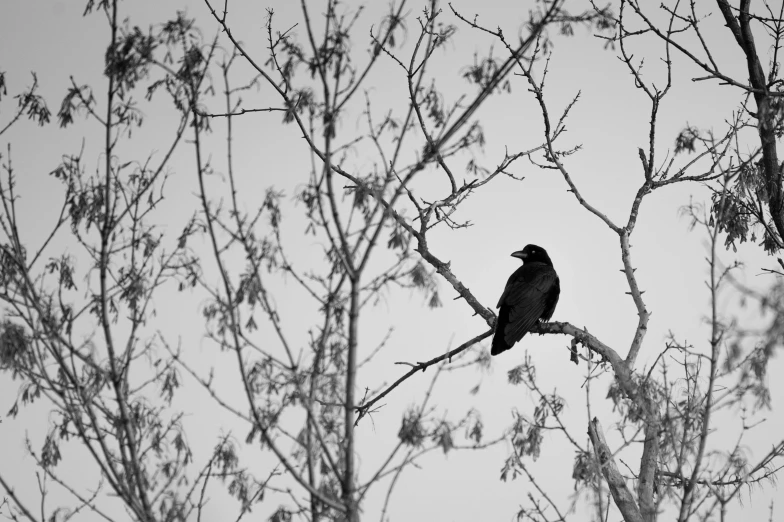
[364, 408]
[620, 492]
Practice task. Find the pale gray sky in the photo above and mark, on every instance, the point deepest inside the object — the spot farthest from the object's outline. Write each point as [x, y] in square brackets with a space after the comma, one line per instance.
[610, 121]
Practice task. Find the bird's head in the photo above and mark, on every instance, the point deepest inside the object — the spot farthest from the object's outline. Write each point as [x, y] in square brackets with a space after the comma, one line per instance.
[533, 254]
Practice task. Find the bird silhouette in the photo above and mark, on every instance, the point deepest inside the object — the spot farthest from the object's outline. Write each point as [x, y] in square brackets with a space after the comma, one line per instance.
[530, 295]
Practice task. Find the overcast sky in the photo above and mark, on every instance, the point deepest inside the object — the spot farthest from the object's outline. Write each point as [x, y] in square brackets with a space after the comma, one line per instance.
[610, 122]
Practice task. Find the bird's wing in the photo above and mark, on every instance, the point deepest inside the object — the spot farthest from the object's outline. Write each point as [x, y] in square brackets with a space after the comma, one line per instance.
[526, 295]
[552, 300]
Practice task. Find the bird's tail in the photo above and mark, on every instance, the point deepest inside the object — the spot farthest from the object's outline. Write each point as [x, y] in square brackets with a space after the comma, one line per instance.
[499, 344]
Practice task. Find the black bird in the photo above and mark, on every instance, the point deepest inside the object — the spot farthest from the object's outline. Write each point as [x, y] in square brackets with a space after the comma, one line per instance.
[530, 296]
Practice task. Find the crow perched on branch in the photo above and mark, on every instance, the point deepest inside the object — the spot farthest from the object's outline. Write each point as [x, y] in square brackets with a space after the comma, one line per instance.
[530, 296]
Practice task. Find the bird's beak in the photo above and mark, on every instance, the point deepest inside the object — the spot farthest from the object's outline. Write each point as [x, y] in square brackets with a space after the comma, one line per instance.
[519, 254]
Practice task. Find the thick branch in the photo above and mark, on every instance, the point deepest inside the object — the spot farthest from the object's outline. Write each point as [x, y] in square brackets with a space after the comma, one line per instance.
[646, 484]
[634, 290]
[446, 272]
[349, 491]
[766, 115]
[620, 492]
[620, 369]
